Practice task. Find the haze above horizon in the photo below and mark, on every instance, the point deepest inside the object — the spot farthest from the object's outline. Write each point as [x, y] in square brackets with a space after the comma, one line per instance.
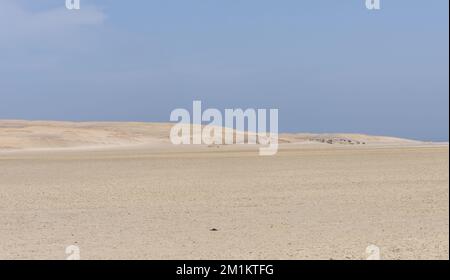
[328, 66]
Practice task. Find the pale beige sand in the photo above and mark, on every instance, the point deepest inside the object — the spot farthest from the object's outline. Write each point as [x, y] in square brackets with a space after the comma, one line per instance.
[40, 135]
[122, 190]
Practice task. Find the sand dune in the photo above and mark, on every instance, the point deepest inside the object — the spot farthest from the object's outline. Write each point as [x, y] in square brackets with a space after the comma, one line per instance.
[26, 135]
[43, 134]
[122, 191]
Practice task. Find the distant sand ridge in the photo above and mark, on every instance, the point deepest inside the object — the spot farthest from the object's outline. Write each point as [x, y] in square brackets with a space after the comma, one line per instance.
[25, 135]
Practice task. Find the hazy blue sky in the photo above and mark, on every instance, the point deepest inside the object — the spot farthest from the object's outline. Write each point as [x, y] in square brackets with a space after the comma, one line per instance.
[329, 66]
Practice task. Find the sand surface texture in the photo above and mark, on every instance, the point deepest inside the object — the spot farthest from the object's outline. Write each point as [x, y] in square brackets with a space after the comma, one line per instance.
[122, 190]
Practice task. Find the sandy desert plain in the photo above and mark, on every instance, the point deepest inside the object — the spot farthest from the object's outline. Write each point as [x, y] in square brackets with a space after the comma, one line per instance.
[123, 191]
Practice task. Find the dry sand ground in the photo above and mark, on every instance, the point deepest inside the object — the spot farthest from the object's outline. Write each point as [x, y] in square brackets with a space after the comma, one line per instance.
[121, 191]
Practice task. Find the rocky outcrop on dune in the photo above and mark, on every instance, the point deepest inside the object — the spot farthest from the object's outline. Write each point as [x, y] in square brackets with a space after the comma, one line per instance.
[344, 139]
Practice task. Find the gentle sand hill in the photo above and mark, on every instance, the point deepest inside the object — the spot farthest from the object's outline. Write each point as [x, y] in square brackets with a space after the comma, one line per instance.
[50, 135]
[26, 135]
[137, 196]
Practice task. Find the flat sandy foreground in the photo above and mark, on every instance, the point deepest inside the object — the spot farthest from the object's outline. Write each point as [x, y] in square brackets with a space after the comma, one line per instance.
[122, 191]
